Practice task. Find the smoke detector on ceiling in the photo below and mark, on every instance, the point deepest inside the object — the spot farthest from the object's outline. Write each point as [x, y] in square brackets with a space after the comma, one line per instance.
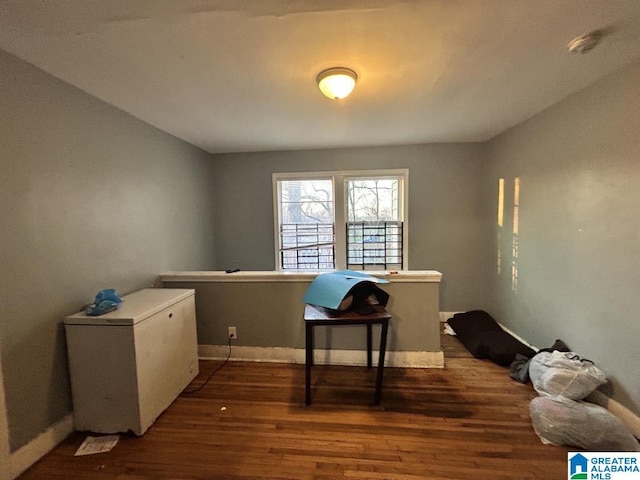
[584, 43]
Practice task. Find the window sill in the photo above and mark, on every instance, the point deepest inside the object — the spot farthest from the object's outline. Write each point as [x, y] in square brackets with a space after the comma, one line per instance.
[402, 276]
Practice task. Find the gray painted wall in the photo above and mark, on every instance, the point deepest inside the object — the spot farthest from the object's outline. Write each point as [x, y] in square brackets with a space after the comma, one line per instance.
[579, 236]
[449, 230]
[90, 198]
[269, 314]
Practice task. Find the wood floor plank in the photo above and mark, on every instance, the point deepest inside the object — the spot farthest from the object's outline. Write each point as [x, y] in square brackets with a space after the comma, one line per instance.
[468, 420]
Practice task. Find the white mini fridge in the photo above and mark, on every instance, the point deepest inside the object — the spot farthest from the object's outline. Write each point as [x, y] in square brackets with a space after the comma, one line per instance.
[129, 365]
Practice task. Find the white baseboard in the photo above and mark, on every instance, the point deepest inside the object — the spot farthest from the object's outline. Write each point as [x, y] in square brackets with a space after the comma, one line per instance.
[321, 357]
[25, 456]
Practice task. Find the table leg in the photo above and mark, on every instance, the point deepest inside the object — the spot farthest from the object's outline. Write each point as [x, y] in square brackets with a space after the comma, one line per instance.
[369, 361]
[380, 372]
[308, 362]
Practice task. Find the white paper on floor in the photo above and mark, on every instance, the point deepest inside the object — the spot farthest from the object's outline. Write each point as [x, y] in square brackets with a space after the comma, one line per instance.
[93, 445]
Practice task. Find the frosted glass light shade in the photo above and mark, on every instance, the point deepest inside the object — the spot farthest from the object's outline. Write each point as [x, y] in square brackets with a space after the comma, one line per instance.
[338, 82]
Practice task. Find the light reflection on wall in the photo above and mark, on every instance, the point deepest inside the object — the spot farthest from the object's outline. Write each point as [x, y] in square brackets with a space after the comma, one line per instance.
[500, 222]
[514, 242]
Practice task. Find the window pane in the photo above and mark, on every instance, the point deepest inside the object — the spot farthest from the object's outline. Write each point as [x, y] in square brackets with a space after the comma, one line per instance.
[306, 224]
[306, 201]
[371, 200]
[374, 245]
[374, 227]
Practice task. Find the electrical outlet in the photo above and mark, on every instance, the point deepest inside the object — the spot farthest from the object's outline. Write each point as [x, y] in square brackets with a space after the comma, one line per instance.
[233, 334]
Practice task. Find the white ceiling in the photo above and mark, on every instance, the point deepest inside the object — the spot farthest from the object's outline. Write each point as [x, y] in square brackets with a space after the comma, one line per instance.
[239, 75]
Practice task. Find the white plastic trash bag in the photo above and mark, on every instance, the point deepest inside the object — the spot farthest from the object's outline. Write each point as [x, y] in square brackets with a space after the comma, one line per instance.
[560, 421]
[565, 374]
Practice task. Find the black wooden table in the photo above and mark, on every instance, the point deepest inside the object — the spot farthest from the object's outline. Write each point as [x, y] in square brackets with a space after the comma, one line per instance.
[319, 316]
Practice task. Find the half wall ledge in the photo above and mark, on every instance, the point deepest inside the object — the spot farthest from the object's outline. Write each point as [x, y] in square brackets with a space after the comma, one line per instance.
[427, 276]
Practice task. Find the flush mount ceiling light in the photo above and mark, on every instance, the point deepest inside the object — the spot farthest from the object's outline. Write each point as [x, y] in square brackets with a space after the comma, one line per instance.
[336, 82]
[584, 43]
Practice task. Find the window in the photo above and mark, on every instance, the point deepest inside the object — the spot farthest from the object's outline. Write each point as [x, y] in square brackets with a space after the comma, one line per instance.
[374, 225]
[305, 212]
[331, 220]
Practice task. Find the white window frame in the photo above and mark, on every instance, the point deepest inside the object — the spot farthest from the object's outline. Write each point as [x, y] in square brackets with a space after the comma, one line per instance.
[339, 179]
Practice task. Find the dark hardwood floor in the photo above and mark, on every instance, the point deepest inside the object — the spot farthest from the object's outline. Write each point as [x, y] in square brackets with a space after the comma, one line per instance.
[467, 421]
